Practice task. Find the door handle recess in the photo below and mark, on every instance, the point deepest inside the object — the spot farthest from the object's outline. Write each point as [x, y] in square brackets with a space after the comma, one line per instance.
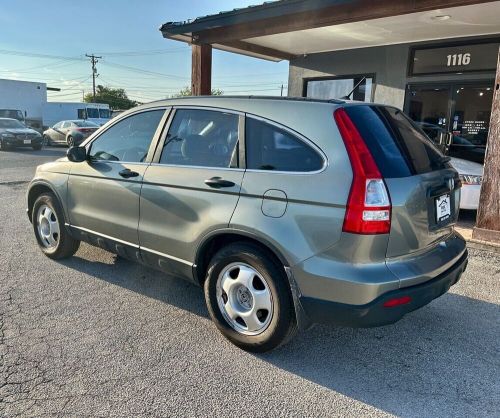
[218, 182]
[127, 173]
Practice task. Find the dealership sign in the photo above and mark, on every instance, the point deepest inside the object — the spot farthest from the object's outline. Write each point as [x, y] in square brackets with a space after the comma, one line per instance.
[454, 59]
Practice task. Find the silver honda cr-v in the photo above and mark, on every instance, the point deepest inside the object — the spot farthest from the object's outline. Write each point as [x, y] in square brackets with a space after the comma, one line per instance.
[287, 211]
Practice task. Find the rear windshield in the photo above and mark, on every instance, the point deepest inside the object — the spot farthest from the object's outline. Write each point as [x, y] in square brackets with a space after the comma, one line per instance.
[398, 146]
[85, 124]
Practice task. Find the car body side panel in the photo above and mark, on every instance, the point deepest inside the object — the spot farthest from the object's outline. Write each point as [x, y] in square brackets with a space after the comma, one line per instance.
[100, 200]
[178, 209]
[352, 271]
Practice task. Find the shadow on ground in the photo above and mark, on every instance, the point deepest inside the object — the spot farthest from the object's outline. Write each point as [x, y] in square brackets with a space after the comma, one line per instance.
[441, 359]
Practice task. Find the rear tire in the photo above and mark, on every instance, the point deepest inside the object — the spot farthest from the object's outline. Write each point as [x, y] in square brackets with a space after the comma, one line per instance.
[70, 141]
[249, 298]
[48, 224]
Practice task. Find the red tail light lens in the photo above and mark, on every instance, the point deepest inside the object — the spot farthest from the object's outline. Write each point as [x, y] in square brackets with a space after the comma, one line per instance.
[397, 302]
[369, 206]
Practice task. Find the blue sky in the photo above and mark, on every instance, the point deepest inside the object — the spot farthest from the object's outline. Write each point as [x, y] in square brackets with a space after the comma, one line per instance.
[125, 33]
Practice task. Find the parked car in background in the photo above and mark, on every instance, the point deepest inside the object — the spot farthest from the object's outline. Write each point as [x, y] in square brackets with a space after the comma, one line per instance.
[286, 211]
[15, 134]
[458, 147]
[69, 132]
[53, 112]
[471, 175]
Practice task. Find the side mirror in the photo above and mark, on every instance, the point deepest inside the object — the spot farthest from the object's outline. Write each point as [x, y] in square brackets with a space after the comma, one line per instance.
[77, 154]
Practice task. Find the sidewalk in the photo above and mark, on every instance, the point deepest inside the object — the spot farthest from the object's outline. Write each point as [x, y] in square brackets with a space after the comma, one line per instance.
[465, 224]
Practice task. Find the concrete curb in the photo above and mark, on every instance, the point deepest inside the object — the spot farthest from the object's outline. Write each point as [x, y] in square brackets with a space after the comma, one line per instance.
[478, 244]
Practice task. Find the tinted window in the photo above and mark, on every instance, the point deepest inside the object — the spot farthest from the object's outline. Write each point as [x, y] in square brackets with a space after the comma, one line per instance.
[202, 138]
[92, 112]
[104, 113]
[398, 146]
[129, 139]
[11, 123]
[85, 124]
[272, 148]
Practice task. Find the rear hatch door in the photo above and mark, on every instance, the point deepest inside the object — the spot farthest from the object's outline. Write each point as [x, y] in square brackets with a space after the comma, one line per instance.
[423, 187]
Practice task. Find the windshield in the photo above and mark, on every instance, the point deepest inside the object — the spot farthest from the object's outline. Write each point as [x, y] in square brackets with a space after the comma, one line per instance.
[92, 112]
[104, 113]
[11, 124]
[85, 124]
[14, 114]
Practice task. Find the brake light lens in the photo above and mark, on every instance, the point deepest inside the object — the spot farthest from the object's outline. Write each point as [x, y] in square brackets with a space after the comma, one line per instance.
[368, 206]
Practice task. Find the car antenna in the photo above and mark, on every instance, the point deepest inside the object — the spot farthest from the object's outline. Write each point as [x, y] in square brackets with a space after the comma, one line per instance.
[347, 97]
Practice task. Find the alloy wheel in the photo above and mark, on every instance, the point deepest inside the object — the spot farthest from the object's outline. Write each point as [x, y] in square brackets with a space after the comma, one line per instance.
[48, 227]
[244, 298]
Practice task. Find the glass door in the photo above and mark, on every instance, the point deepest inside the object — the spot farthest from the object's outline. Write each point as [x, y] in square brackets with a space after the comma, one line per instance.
[470, 121]
[429, 107]
[456, 116]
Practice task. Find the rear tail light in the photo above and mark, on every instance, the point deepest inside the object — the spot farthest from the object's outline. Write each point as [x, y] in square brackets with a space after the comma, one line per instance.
[368, 206]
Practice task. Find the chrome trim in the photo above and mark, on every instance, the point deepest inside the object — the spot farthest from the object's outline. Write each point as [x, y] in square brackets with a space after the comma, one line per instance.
[93, 160]
[171, 257]
[196, 167]
[102, 235]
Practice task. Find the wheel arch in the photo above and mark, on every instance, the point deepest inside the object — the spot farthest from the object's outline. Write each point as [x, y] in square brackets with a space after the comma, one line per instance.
[217, 239]
[35, 190]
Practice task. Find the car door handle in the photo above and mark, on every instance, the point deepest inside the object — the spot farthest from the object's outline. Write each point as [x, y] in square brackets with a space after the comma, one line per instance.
[128, 173]
[218, 182]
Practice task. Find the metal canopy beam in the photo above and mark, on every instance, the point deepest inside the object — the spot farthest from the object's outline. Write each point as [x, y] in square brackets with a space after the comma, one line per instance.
[337, 12]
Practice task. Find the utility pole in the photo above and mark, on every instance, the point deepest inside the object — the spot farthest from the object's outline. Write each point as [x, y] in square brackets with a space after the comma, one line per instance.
[93, 60]
[282, 90]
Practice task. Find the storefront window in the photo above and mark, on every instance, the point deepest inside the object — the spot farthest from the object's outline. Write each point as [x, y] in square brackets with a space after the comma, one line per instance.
[359, 88]
[456, 117]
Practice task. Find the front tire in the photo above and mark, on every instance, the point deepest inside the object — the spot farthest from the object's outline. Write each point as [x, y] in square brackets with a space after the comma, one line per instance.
[249, 298]
[48, 224]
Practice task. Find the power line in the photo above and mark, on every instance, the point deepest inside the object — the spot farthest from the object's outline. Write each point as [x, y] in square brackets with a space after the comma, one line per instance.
[94, 60]
[37, 55]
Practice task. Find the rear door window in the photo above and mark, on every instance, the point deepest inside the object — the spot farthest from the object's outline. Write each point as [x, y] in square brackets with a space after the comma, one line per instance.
[203, 138]
[398, 146]
[269, 147]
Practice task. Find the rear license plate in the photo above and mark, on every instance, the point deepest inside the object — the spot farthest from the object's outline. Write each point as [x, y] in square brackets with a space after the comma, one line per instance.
[443, 208]
[27, 141]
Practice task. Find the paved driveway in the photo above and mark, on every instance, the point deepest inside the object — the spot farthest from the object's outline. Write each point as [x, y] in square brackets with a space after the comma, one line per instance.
[99, 336]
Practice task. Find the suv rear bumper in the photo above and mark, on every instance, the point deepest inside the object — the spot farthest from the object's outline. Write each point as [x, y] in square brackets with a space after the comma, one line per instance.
[374, 313]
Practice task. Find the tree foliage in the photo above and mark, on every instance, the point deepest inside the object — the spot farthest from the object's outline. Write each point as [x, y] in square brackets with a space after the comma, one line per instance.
[186, 91]
[116, 98]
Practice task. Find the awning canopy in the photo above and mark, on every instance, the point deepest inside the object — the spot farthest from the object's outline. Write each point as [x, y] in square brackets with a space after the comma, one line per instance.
[285, 29]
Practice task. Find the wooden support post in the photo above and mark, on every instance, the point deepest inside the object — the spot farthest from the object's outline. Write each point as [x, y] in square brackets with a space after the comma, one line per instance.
[488, 215]
[201, 70]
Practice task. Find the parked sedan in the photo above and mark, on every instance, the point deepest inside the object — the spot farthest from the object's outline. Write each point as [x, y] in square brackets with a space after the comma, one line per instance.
[70, 132]
[14, 134]
[471, 175]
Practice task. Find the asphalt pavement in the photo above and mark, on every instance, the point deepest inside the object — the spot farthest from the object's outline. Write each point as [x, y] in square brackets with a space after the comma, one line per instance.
[96, 335]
